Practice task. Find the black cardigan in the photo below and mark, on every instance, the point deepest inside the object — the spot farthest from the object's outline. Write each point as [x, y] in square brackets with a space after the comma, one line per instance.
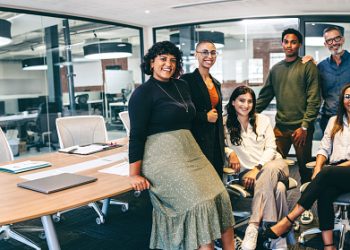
[203, 131]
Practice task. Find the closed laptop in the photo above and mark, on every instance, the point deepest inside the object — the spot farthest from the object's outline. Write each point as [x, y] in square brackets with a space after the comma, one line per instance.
[55, 183]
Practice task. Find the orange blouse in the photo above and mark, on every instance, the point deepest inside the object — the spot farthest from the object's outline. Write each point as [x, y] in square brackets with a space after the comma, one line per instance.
[214, 97]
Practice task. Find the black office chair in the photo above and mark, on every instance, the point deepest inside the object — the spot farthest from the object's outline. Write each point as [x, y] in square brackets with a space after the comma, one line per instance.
[44, 127]
[81, 102]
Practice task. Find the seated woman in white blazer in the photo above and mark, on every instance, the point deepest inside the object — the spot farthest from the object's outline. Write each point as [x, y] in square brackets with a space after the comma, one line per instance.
[251, 152]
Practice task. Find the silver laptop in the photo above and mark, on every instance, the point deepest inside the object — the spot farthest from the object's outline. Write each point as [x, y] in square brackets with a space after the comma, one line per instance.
[55, 183]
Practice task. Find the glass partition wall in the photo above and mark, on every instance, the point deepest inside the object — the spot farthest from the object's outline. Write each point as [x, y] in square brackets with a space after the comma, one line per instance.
[56, 67]
[247, 48]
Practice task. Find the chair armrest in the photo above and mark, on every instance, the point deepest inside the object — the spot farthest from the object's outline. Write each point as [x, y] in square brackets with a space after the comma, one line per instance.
[229, 171]
[302, 187]
[239, 190]
[311, 164]
[292, 183]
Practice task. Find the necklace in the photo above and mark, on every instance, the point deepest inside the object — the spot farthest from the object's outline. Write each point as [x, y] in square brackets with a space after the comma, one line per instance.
[184, 104]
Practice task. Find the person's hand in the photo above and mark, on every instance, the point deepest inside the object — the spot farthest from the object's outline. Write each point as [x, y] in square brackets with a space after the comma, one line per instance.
[234, 162]
[299, 136]
[139, 183]
[249, 178]
[212, 115]
[307, 58]
[315, 172]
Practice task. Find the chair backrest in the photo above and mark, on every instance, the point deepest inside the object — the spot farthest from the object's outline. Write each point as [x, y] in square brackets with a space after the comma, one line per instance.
[6, 152]
[81, 130]
[82, 102]
[124, 117]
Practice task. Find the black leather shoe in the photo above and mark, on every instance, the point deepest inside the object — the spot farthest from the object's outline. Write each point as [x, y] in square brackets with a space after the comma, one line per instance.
[269, 234]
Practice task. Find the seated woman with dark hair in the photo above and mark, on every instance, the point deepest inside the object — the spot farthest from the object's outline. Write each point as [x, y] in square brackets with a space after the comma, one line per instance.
[327, 183]
[252, 152]
[191, 206]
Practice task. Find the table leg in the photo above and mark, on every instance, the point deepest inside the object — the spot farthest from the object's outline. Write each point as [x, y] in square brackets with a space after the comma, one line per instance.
[105, 206]
[50, 233]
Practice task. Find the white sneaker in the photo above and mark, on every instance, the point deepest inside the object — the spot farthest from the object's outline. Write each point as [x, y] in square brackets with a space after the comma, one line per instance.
[250, 238]
[307, 217]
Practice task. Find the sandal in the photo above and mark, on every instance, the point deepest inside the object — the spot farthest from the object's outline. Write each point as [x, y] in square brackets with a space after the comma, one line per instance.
[269, 234]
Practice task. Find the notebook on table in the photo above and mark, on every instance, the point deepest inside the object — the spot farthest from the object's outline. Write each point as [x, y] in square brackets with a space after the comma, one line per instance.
[88, 149]
[55, 183]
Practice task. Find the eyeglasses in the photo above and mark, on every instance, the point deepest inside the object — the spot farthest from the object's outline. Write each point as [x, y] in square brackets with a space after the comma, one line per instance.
[335, 39]
[347, 97]
[213, 53]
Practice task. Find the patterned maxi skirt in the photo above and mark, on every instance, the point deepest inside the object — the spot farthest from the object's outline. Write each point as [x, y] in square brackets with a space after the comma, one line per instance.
[190, 204]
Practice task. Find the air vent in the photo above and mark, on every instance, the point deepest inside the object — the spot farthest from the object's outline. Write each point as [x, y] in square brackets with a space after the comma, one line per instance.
[203, 3]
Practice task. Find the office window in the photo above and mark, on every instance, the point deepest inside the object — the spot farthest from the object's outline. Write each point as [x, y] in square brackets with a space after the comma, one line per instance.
[49, 58]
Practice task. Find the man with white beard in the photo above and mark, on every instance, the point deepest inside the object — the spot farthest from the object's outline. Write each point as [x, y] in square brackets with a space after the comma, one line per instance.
[334, 72]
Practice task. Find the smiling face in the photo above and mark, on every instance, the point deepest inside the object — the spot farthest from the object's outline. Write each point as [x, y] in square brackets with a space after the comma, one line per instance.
[334, 42]
[163, 67]
[206, 55]
[346, 101]
[243, 104]
[291, 46]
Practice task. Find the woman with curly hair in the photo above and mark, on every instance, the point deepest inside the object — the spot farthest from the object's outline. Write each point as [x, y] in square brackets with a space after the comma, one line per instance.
[252, 153]
[164, 158]
[327, 182]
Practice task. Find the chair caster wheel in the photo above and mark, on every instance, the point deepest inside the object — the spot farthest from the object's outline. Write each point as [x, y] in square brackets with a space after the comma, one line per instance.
[56, 218]
[296, 226]
[42, 235]
[124, 208]
[267, 244]
[100, 221]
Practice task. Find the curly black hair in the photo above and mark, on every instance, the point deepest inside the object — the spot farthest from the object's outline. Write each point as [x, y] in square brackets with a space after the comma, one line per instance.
[161, 48]
[233, 125]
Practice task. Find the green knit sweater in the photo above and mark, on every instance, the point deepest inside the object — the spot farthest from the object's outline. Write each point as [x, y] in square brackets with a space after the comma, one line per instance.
[296, 88]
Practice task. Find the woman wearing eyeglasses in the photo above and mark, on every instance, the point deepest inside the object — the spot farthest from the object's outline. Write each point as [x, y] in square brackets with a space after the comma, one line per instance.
[164, 158]
[327, 183]
[207, 127]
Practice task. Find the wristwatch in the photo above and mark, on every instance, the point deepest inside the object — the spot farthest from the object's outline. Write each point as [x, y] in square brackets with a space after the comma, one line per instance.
[259, 166]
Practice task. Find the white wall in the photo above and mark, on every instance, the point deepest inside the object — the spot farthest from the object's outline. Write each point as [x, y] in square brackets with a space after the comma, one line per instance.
[21, 83]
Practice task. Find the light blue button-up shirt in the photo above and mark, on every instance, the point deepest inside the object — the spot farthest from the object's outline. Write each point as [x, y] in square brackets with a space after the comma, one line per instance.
[333, 78]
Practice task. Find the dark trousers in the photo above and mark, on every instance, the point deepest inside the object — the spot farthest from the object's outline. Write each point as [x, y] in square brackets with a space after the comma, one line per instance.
[324, 121]
[285, 140]
[327, 185]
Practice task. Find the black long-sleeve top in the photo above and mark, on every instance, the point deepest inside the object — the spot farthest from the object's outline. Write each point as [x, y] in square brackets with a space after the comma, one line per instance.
[152, 111]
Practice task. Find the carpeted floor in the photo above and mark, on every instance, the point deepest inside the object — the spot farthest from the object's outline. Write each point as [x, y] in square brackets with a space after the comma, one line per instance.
[130, 230]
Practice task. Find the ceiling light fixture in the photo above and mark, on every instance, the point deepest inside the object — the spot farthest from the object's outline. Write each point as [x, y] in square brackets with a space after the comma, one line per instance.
[107, 50]
[5, 32]
[217, 37]
[38, 63]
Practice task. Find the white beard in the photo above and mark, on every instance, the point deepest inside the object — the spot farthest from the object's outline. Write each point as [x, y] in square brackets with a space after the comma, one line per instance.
[337, 52]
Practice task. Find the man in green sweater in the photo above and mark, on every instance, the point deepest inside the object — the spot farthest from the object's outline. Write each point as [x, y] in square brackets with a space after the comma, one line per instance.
[296, 88]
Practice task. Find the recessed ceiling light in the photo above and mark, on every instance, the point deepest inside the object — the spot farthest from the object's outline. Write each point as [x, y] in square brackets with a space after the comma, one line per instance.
[147, 11]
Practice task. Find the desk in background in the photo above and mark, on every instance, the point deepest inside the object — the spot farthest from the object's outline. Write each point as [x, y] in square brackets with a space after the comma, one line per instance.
[19, 204]
[92, 105]
[114, 109]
